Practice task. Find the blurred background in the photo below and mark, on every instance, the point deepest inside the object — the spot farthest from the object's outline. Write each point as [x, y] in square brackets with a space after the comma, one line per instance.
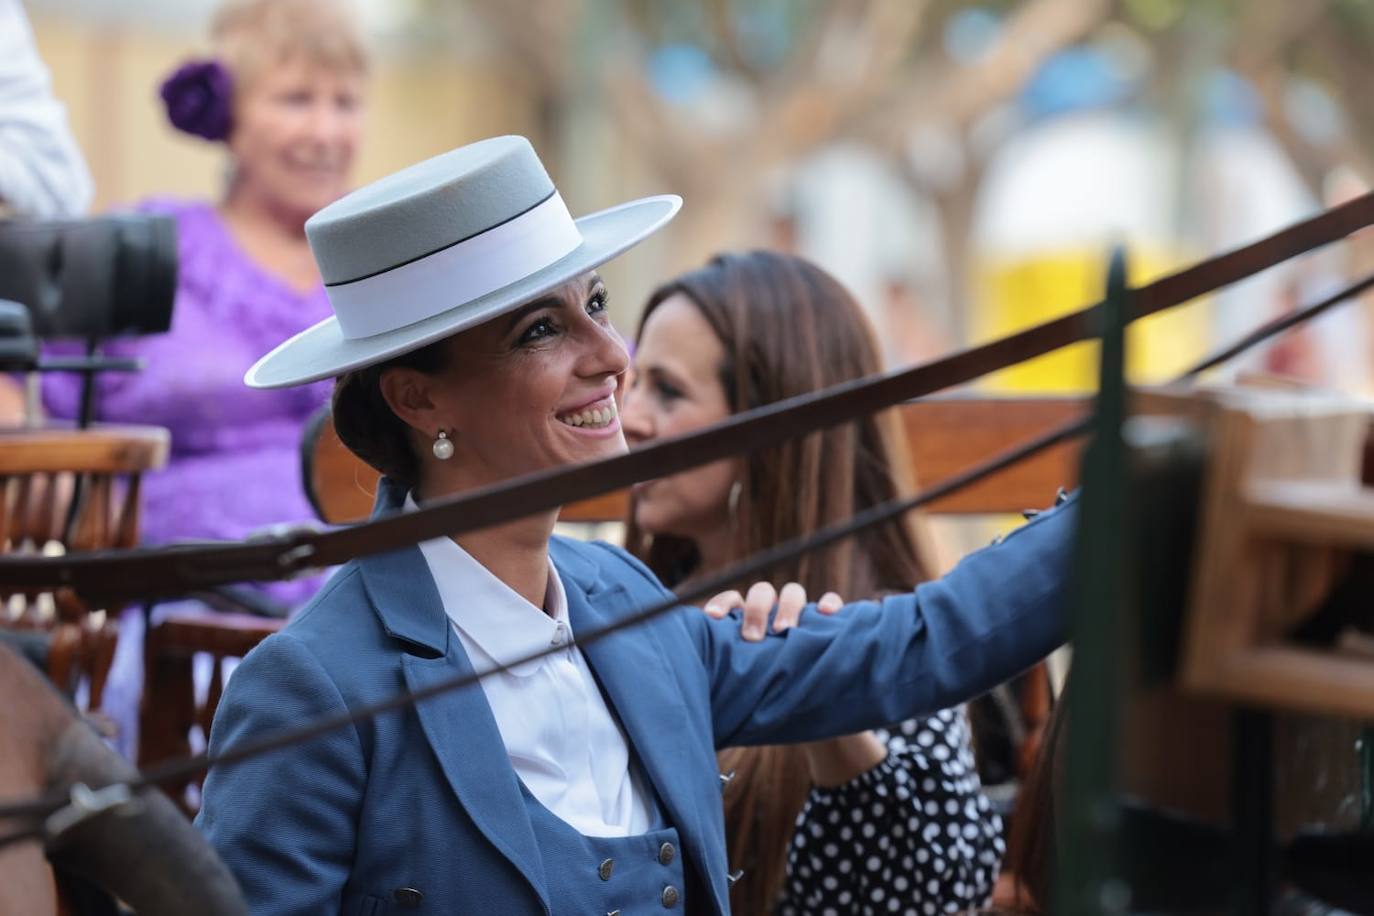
[963, 166]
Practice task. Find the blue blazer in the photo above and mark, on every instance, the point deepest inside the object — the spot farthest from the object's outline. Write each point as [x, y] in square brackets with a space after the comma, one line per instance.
[425, 798]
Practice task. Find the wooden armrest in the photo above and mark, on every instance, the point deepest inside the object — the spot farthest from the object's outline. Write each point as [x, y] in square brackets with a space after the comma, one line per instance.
[97, 450]
[1322, 512]
[232, 635]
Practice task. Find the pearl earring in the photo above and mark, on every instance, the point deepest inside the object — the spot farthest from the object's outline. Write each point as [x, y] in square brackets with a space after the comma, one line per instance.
[443, 446]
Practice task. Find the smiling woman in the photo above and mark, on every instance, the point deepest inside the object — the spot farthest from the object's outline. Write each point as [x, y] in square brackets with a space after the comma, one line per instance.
[557, 358]
[284, 93]
[582, 781]
[900, 823]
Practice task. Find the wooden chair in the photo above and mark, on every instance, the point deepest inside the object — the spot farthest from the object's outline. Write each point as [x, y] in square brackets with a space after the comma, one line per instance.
[65, 489]
[172, 715]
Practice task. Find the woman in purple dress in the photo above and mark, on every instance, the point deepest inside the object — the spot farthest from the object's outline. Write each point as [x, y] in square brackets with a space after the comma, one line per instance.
[284, 93]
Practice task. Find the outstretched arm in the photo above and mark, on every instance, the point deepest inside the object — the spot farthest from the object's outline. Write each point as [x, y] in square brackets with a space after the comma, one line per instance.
[996, 613]
[284, 822]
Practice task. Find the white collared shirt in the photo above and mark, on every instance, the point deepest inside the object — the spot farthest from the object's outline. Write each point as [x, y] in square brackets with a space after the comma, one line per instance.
[560, 736]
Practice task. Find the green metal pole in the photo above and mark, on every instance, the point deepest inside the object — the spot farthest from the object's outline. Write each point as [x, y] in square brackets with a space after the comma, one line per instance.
[1088, 879]
[1366, 748]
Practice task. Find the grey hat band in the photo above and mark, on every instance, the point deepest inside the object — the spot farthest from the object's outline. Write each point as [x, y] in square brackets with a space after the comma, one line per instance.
[439, 248]
[456, 274]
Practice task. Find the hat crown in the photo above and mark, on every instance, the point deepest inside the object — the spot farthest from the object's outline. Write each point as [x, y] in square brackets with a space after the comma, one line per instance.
[427, 207]
[443, 246]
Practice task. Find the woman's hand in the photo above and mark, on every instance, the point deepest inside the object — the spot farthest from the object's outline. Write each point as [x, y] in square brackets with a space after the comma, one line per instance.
[759, 603]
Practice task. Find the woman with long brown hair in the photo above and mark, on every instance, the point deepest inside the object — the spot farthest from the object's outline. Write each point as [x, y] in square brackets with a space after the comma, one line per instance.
[875, 822]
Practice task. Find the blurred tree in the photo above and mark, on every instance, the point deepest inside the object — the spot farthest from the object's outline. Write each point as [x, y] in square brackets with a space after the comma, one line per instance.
[720, 96]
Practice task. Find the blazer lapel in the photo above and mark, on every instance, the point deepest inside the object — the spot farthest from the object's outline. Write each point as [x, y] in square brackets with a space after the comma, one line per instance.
[458, 724]
[635, 674]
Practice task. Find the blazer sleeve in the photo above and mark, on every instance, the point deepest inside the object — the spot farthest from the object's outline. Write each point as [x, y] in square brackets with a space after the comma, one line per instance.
[284, 822]
[876, 662]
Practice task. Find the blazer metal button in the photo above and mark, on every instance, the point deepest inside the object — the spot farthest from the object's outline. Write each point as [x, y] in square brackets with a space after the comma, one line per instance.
[666, 853]
[670, 897]
[605, 869]
[407, 896]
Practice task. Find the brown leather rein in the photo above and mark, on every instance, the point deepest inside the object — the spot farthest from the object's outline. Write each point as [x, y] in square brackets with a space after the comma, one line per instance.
[178, 569]
[38, 810]
[53, 805]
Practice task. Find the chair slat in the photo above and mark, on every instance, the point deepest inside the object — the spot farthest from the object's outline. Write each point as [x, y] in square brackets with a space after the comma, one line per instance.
[38, 473]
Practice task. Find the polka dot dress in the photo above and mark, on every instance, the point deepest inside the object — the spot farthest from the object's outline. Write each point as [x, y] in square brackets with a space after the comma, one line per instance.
[914, 835]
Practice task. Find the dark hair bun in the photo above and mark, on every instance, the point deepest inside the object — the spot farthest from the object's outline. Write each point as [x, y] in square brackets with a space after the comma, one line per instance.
[365, 422]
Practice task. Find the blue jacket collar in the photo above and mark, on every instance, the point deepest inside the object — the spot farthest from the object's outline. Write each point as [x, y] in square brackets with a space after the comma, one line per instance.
[577, 571]
[419, 618]
[422, 622]
[630, 665]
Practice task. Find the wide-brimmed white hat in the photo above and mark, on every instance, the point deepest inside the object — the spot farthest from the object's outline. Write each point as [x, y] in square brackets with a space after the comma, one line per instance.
[442, 246]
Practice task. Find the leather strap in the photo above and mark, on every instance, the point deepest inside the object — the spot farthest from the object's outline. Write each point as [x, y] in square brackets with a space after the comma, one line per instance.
[173, 771]
[175, 570]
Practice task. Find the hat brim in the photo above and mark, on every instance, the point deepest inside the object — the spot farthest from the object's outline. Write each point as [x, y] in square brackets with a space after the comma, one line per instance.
[322, 351]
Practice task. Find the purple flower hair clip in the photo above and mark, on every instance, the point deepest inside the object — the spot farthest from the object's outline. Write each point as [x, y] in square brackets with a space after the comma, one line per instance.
[199, 98]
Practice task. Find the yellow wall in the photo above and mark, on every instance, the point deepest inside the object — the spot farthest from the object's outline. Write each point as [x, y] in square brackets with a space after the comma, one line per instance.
[1014, 294]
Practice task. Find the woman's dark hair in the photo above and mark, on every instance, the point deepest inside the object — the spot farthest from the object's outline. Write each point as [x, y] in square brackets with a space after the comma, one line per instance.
[789, 328]
[366, 424]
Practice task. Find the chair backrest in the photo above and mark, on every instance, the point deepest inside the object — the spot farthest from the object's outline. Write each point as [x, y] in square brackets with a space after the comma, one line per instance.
[339, 485]
[65, 489]
[945, 435]
[174, 722]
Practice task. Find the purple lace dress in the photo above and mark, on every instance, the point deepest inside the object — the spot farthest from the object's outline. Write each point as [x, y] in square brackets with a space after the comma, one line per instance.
[234, 466]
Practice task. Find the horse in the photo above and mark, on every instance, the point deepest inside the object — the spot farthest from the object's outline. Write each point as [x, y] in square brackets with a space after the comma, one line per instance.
[145, 854]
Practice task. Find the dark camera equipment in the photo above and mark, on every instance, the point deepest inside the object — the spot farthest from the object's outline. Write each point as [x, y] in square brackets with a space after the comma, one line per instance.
[18, 346]
[89, 280]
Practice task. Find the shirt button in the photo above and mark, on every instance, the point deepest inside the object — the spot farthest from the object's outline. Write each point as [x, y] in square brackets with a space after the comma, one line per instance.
[670, 897]
[666, 853]
[407, 896]
[606, 868]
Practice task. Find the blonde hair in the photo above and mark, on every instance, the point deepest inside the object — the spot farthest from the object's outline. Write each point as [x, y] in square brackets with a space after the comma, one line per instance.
[251, 36]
